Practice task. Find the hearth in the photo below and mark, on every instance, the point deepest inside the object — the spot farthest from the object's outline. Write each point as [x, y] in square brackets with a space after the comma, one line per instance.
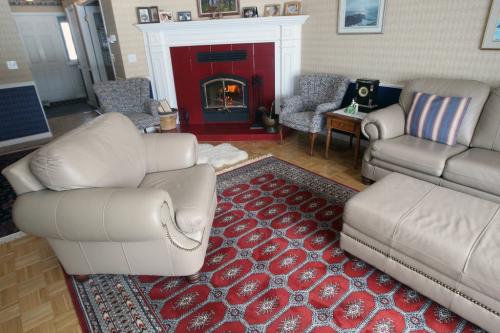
[224, 98]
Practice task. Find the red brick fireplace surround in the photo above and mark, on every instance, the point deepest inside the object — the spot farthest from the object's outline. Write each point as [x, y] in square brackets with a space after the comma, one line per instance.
[217, 72]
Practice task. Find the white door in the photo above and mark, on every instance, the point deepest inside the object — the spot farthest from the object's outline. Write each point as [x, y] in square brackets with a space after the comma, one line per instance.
[96, 43]
[56, 77]
[83, 60]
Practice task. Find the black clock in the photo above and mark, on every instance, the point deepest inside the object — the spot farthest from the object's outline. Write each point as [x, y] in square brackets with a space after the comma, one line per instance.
[366, 94]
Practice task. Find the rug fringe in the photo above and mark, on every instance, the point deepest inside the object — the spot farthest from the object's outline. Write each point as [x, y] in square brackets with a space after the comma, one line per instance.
[12, 237]
[249, 161]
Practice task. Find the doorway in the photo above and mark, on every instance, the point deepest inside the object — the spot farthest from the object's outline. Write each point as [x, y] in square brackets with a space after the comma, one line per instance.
[52, 56]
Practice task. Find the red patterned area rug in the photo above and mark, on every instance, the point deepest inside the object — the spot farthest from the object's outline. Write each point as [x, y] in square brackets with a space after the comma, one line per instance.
[273, 265]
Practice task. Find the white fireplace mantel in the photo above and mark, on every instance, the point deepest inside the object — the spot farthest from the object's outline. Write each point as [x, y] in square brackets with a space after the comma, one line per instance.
[284, 31]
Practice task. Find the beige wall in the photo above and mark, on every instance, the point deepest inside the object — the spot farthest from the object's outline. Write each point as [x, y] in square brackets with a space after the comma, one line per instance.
[130, 38]
[11, 48]
[421, 38]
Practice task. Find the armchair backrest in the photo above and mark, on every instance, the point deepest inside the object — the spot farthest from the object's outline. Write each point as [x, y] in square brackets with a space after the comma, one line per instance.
[478, 91]
[107, 152]
[317, 89]
[487, 133]
[123, 95]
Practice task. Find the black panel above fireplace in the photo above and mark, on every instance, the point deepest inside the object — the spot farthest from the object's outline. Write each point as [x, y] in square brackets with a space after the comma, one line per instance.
[224, 98]
[237, 55]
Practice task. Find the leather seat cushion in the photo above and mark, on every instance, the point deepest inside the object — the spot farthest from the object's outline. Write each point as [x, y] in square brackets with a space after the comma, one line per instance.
[421, 155]
[107, 152]
[192, 193]
[477, 168]
[445, 230]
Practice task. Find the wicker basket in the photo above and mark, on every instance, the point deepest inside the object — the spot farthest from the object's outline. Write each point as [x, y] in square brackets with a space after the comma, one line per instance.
[168, 122]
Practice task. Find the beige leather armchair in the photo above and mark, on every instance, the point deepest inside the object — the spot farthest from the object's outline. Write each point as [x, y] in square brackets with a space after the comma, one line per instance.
[112, 201]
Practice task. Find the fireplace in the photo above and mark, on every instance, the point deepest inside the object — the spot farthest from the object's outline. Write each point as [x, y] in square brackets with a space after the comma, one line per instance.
[182, 55]
[224, 98]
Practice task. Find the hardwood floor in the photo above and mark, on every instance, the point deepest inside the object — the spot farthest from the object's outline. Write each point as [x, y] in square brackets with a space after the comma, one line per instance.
[33, 292]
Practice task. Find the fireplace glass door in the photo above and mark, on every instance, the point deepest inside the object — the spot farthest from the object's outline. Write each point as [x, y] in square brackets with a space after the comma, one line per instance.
[224, 94]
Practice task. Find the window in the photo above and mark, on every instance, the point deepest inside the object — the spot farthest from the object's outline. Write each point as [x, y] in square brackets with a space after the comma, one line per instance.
[68, 40]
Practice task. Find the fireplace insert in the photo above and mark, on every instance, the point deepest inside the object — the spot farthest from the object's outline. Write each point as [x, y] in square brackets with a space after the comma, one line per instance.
[224, 98]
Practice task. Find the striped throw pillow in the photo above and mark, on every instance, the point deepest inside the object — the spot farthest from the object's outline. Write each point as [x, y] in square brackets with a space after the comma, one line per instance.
[436, 118]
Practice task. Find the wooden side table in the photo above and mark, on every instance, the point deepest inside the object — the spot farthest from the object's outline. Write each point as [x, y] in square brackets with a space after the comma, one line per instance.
[344, 122]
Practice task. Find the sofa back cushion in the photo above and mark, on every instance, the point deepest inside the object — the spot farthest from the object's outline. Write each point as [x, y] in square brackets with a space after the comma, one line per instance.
[107, 152]
[477, 91]
[487, 134]
[436, 118]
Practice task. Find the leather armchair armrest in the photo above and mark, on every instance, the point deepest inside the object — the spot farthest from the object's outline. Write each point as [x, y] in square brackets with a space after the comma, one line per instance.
[151, 106]
[96, 214]
[386, 123]
[166, 152]
[292, 105]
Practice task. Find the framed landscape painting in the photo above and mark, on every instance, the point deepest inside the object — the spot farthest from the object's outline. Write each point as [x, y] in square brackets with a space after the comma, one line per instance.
[361, 16]
[491, 37]
[221, 7]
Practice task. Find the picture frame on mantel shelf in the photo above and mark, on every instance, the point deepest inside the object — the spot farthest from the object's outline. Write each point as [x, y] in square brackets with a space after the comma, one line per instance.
[361, 16]
[209, 8]
[249, 12]
[292, 8]
[491, 35]
[272, 10]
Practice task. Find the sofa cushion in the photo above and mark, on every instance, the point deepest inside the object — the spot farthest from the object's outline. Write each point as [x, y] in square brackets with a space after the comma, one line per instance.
[436, 118]
[107, 152]
[192, 191]
[487, 134]
[421, 155]
[477, 168]
[478, 91]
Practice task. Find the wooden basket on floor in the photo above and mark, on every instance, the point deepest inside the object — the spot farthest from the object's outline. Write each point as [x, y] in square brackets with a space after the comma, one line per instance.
[168, 122]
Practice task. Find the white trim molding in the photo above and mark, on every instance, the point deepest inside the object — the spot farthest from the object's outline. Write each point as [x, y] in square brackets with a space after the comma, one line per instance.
[284, 31]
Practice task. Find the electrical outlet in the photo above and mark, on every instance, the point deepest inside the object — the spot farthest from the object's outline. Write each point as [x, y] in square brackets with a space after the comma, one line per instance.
[112, 39]
[12, 64]
[132, 58]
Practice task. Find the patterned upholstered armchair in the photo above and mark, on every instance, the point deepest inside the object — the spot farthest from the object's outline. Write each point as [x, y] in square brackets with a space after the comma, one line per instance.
[319, 93]
[131, 98]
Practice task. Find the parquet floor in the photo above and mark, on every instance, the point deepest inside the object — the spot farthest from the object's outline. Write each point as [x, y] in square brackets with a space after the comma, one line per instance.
[33, 293]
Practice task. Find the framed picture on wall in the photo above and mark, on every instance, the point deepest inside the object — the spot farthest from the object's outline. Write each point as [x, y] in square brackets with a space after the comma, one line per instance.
[491, 36]
[207, 8]
[361, 16]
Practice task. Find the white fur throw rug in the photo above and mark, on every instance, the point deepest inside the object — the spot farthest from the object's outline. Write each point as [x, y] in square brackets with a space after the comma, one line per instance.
[220, 155]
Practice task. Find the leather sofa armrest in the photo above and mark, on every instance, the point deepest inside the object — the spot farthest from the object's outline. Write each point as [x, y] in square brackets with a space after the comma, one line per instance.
[383, 124]
[166, 152]
[96, 214]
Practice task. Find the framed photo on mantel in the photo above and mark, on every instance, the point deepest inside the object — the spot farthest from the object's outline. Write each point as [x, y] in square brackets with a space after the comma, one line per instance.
[207, 8]
[361, 16]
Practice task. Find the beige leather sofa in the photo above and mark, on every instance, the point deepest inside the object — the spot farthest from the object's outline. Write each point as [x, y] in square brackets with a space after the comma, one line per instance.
[110, 200]
[438, 241]
[471, 166]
